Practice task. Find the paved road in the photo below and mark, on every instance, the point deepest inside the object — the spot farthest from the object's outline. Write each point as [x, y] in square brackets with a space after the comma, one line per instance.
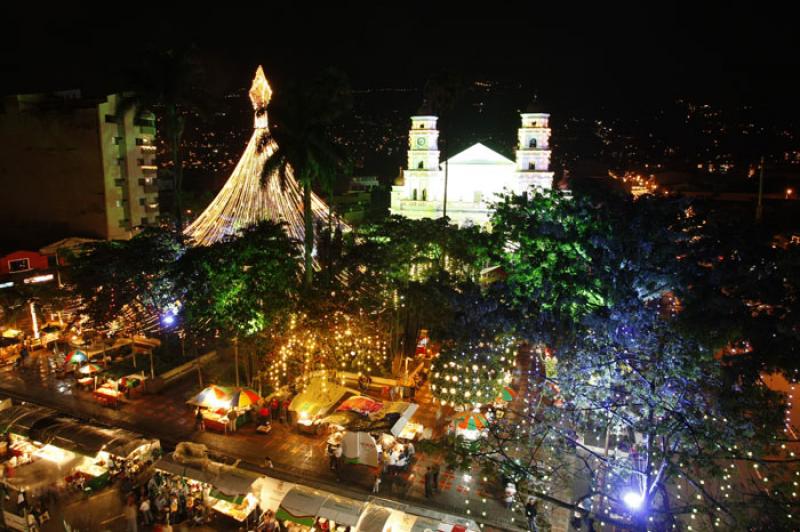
[297, 457]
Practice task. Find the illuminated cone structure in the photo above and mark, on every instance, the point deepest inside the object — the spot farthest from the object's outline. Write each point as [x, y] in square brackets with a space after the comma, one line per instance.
[243, 200]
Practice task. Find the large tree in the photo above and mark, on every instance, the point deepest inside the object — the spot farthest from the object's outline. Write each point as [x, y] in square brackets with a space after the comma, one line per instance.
[241, 286]
[411, 273]
[301, 126]
[126, 280]
[643, 425]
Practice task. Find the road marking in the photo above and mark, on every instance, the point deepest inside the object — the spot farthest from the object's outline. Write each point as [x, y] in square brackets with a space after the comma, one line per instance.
[112, 519]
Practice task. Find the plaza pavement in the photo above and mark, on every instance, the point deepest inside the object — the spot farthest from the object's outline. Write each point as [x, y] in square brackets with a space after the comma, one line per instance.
[297, 457]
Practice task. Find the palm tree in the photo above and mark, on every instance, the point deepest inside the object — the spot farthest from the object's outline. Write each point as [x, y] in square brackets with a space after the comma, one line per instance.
[172, 82]
[301, 121]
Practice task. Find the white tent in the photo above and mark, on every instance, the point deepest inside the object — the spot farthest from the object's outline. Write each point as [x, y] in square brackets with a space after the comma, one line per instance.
[360, 448]
[405, 415]
[270, 492]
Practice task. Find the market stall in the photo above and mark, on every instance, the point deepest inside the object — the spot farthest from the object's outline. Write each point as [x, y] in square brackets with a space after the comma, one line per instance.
[227, 490]
[300, 506]
[270, 492]
[470, 425]
[225, 409]
[48, 448]
[132, 385]
[316, 401]
[108, 395]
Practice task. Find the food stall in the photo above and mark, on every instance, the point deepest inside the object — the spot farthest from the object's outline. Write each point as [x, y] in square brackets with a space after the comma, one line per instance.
[108, 394]
[300, 506]
[228, 490]
[49, 448]
[316, 401]
[225, 409]
[10, 345]
[132, 385]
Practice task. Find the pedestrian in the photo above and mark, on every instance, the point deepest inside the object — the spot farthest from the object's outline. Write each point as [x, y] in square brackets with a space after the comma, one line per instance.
[412, 392]
[273, 405]
[391, 393]
[147, 514]
[511, 490]
[337, 454]
[531, 511]
[32, 525]
[377, 485]
[22, 502]
[331, 457]
[199, 420]
[286, 404]
[428, 482]
[435, 473]
[267, 462]
[131, 515]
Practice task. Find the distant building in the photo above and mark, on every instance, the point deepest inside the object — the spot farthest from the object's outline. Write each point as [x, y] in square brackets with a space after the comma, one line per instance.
[474, 177]
[70, 166]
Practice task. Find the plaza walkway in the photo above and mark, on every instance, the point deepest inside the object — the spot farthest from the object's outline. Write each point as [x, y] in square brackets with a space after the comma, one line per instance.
[296, 457]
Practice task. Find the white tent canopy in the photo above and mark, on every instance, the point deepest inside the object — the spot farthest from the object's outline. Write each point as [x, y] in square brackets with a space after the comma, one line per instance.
[360, 447]
[270, 492]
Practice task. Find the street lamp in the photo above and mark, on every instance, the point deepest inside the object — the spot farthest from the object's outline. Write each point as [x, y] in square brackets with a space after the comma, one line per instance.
[633, 500]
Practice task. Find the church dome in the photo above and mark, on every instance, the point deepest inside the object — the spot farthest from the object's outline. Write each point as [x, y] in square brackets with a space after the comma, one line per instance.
[535, 107]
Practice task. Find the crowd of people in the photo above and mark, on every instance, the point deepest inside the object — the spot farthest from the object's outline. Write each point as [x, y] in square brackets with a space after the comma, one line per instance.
[167, 499]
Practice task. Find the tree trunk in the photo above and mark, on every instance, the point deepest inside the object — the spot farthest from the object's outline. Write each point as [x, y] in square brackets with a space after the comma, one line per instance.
[309, 235]
[236, 358]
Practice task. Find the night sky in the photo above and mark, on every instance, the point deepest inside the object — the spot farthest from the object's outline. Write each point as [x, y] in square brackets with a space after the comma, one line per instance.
[574, 55]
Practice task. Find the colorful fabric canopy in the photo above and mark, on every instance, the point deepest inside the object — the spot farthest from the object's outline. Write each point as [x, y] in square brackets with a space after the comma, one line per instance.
[89, 369]
[361, 404]
[507, 394]
[244, 397]
[212, 397]
[471, 421]
[76, 356]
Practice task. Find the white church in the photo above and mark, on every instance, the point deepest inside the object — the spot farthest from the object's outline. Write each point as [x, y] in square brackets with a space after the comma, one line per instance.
[474, 177]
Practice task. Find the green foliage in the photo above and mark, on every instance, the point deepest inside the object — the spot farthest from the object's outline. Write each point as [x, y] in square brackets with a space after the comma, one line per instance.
[302, 118]
[126, 277]
[240, 286]
[547, 244]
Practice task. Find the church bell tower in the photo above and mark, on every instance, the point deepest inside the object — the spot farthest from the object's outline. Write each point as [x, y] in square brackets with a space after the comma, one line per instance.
[533, 152]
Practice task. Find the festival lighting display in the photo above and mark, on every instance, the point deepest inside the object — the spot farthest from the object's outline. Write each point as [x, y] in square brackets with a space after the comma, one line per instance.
[336, 343]
[243, 199]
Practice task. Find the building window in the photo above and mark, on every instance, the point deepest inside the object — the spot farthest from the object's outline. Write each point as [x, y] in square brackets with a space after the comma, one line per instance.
[111, 119]
[117, 141]
[532, 143]
[19, 265]
[145, 221]
[421, 165]
[531, 166]
[140, 142]
[424, 194]
[414, 195]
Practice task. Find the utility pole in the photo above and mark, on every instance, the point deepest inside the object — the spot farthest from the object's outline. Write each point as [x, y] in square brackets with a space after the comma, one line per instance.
[760, 205]
[444, 203]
